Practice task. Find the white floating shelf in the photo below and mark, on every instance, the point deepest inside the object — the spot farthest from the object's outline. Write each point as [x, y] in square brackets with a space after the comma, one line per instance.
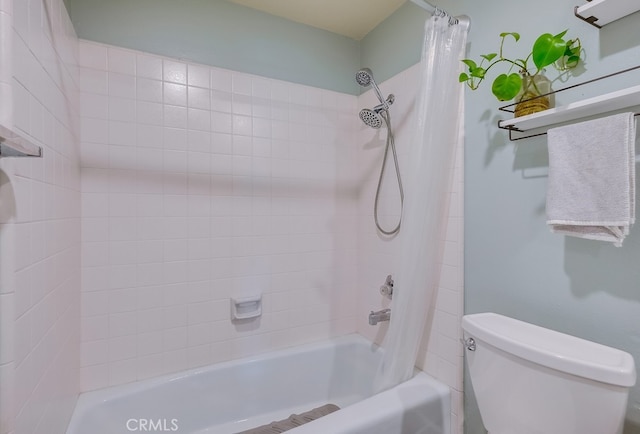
[609, 102]
[14, 145]
[602, 12]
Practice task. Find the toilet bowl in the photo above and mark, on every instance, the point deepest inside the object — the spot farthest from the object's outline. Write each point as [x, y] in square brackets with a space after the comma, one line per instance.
[532, 380]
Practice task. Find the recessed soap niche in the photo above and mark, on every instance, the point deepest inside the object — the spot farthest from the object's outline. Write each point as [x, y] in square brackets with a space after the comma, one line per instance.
[246, 308]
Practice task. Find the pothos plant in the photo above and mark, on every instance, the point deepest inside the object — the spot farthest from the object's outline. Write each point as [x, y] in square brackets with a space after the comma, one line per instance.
[563, 54]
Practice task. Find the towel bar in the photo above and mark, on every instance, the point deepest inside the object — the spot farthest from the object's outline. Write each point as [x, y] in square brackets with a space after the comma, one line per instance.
[511, 129]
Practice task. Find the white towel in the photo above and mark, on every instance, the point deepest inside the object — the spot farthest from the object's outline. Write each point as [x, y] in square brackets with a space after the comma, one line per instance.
[591, 189]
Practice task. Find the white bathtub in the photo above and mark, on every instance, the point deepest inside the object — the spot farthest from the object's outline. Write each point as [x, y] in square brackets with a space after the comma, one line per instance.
[239, 395]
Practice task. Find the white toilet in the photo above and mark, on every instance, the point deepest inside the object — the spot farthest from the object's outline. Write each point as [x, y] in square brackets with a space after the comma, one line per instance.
[532, 380]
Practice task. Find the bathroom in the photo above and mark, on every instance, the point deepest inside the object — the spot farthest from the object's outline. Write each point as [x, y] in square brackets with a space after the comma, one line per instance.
[121, 247]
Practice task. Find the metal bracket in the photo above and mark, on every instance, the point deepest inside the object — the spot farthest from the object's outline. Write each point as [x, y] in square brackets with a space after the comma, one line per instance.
[591, 20]
[512, 129]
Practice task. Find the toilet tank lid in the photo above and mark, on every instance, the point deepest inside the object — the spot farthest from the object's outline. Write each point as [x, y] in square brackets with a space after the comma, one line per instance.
[552, 349]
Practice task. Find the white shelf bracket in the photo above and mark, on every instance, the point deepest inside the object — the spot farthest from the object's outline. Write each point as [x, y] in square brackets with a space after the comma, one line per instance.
[599, 13]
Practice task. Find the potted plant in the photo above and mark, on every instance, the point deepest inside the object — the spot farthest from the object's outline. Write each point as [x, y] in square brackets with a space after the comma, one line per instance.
[522, 80]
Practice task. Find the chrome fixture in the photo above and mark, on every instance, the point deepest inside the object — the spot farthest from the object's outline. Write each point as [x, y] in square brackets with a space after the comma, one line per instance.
[387, 288]
[371, 118]
[364, 77]
[469, 343]
[374, 118]
[379, 316]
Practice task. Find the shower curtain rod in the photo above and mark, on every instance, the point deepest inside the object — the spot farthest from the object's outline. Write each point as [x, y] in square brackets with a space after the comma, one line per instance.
[424, 4]
[433, 10]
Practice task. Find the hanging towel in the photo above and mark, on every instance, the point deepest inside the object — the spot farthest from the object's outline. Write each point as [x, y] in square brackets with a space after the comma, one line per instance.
[591, 188]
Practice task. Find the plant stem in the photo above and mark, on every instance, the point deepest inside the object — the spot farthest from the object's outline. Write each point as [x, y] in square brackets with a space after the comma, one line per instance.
[474, 86]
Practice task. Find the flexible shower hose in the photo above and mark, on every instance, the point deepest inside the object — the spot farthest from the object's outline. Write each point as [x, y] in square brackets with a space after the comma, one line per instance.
[390, 144]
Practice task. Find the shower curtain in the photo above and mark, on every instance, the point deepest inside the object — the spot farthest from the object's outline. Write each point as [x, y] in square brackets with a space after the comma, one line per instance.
[438, 131]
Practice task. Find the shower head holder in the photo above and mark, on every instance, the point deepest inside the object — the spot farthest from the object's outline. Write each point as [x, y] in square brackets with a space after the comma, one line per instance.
[371, 117]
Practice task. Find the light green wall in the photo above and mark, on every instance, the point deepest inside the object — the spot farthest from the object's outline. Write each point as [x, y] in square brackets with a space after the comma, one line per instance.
[513, 264]
[395, 44]
[220, 33]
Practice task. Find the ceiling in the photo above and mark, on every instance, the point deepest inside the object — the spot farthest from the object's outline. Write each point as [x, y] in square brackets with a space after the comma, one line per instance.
[352, 18]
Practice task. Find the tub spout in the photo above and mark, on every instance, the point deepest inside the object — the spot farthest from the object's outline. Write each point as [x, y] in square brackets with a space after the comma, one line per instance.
[379, 316]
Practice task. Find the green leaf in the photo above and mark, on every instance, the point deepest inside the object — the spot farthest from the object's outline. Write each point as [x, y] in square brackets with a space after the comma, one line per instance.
[572, 61]
[561, 34]
[478, 72]
[489, 56]
[470, 63]
[547, 49]
[515, 35]
[506, 87]
[573, 48]
[463, 77]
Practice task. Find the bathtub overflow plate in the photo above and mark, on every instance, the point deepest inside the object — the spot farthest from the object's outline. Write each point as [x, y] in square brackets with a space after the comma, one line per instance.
[469, 344]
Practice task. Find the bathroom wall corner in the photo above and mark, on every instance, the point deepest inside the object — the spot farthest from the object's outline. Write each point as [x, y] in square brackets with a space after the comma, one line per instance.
[39, 220]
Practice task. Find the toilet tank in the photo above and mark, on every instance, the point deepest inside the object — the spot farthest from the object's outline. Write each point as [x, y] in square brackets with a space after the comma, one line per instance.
[531, 380]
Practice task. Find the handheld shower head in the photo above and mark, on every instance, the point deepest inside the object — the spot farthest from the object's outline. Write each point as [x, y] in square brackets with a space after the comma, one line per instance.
[364, 78]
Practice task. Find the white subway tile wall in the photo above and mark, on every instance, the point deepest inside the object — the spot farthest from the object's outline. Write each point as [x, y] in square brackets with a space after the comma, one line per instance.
[441, 355]
[40, 221]
[200, 184]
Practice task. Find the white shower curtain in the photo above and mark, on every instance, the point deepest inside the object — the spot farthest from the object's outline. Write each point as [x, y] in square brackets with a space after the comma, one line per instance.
[439, 114]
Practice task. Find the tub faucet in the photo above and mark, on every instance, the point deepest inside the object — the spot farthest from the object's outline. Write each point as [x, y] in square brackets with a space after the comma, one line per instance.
[381, 315]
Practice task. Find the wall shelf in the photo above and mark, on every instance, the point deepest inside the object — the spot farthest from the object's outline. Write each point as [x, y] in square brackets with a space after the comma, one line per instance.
[537, 124]
[601, 12]
[13, 144]
[606, 103]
